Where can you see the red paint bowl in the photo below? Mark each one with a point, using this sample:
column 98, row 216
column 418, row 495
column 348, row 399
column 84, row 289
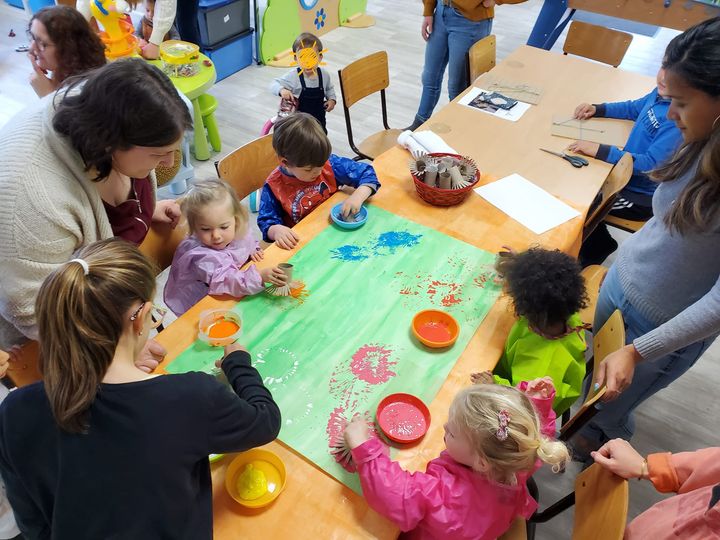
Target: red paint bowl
column 403, row 418
column 435, row 328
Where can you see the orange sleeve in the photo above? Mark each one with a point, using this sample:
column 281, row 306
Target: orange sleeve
column 685, row 471
column 429, row 7
column 662, row 473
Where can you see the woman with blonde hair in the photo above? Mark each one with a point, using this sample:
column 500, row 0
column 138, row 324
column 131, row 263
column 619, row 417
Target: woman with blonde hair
column 102, row 449
column 496, row 437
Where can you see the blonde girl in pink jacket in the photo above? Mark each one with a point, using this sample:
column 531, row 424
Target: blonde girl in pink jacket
column 496, row 437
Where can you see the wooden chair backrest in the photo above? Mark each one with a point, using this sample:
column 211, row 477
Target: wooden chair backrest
column 481, row 57
column 26, row 369
column 364, row 77
column 597, row 43
column 161, row 242
column 517, row 531
column 616, row 180
column 610, row 338
column 246, row 168
column 601, row 505
column 593, row 276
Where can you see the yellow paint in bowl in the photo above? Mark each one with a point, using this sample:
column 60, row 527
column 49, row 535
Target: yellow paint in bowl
column 243, row 477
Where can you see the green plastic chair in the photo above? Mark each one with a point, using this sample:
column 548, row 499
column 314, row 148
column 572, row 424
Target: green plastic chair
column 208, row 104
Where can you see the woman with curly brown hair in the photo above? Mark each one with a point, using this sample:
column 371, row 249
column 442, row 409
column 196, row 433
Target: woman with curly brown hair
column 61, row 42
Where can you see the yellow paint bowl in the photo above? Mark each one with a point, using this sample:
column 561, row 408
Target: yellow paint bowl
column 266, row 462
column 219, row 327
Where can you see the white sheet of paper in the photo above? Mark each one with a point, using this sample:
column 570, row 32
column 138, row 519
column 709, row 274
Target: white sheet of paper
column 513, row 114
column 526, row 203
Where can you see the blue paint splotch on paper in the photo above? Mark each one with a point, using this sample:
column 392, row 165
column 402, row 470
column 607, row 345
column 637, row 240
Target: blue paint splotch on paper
column 349, row 253
column 393, row 240
column 386, row 243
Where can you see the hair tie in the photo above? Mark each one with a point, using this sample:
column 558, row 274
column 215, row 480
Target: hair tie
column 503, row 421
column 84, row 264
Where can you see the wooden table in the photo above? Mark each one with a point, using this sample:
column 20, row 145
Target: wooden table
column 677, row 14
column 314, row 505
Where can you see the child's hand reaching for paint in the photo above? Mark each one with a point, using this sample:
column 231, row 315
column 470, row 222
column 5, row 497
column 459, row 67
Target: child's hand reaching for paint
column 541, row 388
column 273, row 275
column 229, row 349
column 483, row 377
column 258, row 256
column 283, row 236
column 356, row 432
column 354, row 202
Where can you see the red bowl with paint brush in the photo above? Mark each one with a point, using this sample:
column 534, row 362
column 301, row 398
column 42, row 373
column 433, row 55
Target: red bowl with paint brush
column 403, row 418
column 434, row 328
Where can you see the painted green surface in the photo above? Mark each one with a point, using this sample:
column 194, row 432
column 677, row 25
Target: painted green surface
column 349, row 344
column 348, row 8
column 280, row 27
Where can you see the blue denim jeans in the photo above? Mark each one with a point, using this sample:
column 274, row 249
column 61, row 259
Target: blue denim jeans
column 451, row 39
column 615, row 418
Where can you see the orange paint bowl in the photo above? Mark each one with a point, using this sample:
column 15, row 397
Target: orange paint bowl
column 434, row 328
column 219, row 327
column 403, row 418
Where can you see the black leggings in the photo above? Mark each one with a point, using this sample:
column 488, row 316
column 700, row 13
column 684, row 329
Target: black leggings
column 187, row 20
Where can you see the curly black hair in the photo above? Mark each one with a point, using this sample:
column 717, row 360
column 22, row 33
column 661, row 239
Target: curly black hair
column 545, row 286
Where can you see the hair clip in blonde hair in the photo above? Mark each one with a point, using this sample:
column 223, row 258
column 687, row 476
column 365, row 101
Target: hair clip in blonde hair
column 84, row 264
column 503, row 421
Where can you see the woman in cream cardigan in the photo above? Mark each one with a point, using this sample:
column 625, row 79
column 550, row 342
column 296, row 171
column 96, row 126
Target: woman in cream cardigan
column 71, row 161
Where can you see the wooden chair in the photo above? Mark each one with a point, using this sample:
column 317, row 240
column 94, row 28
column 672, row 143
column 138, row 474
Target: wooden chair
column 617, row 179
column 593, row 276
column 357, row 81
column 601, row 507
column 246, row 168
column 610, row 338
column 481, row 57
column 597, row 43
column 627, row 225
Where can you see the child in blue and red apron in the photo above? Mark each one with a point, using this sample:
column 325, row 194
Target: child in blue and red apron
column 308, row 175
column 308, row 86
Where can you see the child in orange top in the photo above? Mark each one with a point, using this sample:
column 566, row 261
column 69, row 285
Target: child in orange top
column 308, row 175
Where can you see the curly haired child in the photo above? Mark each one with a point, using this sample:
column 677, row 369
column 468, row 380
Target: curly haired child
column 547, row 291
column 496, row 437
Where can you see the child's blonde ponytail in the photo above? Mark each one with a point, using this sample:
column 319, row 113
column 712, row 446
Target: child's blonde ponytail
column 553, row 453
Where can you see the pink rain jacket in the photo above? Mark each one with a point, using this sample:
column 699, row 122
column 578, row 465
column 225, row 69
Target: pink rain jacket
column 448, row 501
column 198, row 270
column 693, row 514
